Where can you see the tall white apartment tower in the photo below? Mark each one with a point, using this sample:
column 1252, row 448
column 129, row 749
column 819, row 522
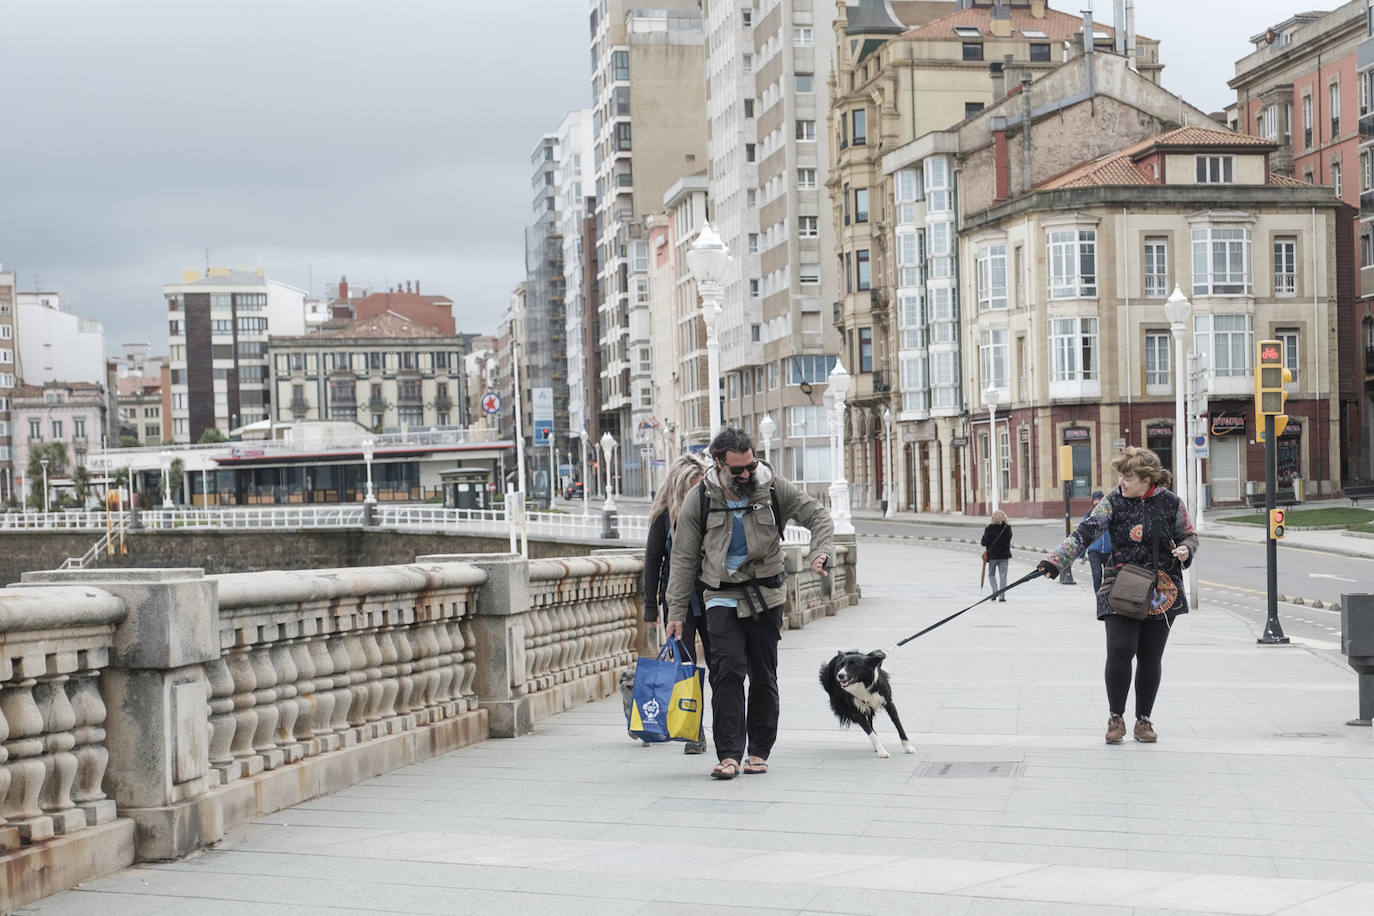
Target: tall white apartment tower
column 573, row 182
column 768, row 89
column 649, row 129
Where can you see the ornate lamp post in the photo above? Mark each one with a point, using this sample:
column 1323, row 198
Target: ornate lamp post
column 368, row 497
column 167, row 480
column 838, row 388
column 766, row 429
column 891, row 510
column 994, row 458
column 1177, row 309
column 708, row 259
column 608, row 514
column 586, row 484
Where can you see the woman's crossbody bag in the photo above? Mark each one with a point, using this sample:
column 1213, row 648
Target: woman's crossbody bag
column 1133, row 590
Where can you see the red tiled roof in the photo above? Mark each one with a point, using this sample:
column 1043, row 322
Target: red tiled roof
column 1123, row 166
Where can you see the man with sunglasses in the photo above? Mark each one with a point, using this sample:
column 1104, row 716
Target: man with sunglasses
column 728, row 537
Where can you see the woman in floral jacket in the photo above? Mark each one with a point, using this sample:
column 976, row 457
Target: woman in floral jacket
column 1134, row 514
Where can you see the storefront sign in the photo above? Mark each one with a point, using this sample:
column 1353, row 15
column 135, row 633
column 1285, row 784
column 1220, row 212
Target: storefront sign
column 1293, row 430
column 1160, row 431
column 1077, row 434
column 959, row 441
column 1228, row 424
column 1025, row 434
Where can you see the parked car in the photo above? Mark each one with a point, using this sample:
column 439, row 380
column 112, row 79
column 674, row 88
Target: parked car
column 573, row 490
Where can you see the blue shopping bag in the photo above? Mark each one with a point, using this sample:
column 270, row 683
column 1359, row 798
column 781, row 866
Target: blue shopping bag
column 667, row 696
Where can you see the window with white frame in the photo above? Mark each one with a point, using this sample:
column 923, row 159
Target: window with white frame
column 806, row 130
column 1336, row 185
column 57, row 429
column 1073, row 350
column 992, row 276
column 6, row 332
column 1334, row 94
column 1285, row 266
column 915, row 392
column 806, row 179
column 1226, row 341
column 1004, row 457
column 906, row 188
column 992, row 358
column 808, row 227
column 6, row 380
column 1307, row 122
column 802, row 36
column 1073, row 263
column 1221, row 261
column 1156, row 268
column 1158, row 363
column 1289, row 338
column 1366, row 173
column 944, row 388
column 1216, row 169
column 35, row 430
column 911, row 331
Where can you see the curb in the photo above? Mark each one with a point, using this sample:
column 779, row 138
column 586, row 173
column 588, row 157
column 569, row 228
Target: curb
column 1296, row 601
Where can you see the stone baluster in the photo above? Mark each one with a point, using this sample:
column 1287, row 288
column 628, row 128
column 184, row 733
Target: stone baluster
column 91, row 756
column 462, row 636
column 306, row 706
column 442, row 701
column 322, row 723
column 372, row 679
column 343, row 693
column 287, row 709
column 456, row 703
column 9, row 834
column 357, row 686
column 401, row 640
column 265, row 705
column 59, row 763
column 222, row 722
column 245, row 717
column 392, row 721
column 25, row 747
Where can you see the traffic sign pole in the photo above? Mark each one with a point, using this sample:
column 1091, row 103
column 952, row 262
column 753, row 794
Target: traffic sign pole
column 1273, row 631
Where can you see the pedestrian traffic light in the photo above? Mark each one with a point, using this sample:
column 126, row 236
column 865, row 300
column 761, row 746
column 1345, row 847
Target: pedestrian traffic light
column 1276, row 523
column 1270, row 378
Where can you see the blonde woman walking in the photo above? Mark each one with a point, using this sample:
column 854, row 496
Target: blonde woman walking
column 683, row 474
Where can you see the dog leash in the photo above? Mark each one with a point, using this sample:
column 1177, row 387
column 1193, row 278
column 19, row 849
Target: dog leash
column 1034, row 574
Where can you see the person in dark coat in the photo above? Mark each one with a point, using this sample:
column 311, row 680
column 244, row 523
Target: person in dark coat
column 997, row 550
column 684, row 474
column 1137, row 512
column 1099, row 550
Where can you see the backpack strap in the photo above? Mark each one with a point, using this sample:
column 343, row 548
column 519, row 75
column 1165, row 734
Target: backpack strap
column 707, row 508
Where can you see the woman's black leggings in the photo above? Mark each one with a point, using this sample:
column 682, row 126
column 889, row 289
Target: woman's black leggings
column 1144, row 641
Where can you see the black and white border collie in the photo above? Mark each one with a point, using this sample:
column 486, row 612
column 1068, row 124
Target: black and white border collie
column 858, row 687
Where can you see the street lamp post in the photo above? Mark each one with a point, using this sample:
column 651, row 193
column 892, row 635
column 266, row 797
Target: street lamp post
column 608, row 513
column 890, row 505
column 1177, row 309
column 994, row 459
column 766, row 429
column 839, row 487
column 166, row 480
column 586, row 484
column 369, row 500
column 46, row 505
column 707, row 260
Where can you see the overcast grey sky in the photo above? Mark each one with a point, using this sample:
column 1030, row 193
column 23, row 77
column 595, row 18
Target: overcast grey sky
column 388, row 141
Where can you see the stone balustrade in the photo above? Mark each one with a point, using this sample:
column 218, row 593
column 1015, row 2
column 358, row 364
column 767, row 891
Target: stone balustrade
column 199, row 703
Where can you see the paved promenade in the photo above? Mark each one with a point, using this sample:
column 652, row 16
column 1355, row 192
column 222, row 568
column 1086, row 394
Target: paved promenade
column 1257, row 799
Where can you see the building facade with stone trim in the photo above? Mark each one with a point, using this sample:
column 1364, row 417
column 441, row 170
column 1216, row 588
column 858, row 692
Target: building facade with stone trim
column 70, row 413
column 387, row 374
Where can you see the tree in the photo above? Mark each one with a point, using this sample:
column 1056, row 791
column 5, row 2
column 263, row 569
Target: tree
column 213, row 435
column 56, row 453
column 128, row 441
column 177, row 475
column 81, row 485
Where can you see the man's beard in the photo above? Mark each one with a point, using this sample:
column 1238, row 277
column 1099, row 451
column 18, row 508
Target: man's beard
column 745, row 487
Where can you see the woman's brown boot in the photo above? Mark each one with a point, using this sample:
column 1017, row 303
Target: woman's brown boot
column 1116, row 729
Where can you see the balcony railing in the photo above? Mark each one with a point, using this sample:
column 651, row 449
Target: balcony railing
column 880, row 383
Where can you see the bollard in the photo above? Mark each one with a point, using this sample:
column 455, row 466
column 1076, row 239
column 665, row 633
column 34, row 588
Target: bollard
column 1357, row 644
column 609, row 524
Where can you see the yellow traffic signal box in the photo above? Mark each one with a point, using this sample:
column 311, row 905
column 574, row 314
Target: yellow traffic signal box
column 1270, row 378
column 1276, row 517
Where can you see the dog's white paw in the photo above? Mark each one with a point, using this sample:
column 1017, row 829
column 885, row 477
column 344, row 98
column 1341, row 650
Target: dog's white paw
column 908, row 747
column 882, row 752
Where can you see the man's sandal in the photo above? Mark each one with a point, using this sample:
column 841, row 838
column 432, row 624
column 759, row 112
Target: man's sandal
column 755, row 765
column 726, row 769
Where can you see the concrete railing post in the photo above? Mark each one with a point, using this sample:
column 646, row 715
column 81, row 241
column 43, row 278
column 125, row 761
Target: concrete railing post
column 155, row 693
column 499, row 628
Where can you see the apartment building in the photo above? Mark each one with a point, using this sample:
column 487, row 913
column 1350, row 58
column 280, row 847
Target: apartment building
column 1357, row 349
column 385, row 373
column 1301, row 89
column 576, row 204
column 9, row 378
column 218, row 328
column 903, row 85
column 545, row 340
column 138, row 409
column 71, row 414
column 766, row 93
column 56, row 345
column 681, row 381
column 649, row 92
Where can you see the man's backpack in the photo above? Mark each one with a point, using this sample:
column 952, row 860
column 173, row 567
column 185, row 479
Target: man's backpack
column 706, row 508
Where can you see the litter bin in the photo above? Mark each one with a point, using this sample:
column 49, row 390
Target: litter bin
column 1357, row 644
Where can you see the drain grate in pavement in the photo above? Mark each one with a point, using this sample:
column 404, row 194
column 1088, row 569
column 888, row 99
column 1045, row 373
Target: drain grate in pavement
column 972, row 769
